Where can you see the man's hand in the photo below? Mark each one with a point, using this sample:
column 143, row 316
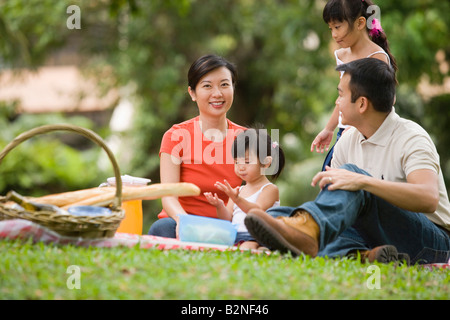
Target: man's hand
column 339, row 179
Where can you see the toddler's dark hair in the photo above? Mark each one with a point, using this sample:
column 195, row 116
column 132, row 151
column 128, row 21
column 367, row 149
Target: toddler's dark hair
column 261, row 143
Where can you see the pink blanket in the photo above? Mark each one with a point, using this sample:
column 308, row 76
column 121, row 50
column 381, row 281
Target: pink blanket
column 24, row 229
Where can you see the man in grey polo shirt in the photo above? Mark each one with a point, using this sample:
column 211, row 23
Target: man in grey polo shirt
column 384, row 192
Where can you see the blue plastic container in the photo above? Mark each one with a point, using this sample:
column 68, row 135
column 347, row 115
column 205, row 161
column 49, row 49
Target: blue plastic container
column 206, row 230
column 89, row 211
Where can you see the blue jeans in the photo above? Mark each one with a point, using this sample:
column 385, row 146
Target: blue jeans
column 242, row 237
column 358, row 220
column 165, row 227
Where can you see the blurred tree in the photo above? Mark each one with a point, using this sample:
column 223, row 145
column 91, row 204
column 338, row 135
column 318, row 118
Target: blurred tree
column 417, row 30
column 280, row 82
column 282, row 48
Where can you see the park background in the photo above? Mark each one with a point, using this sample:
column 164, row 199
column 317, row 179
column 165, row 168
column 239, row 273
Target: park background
column 123, row 75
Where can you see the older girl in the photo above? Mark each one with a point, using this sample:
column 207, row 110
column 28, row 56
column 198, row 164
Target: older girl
column 359, row 36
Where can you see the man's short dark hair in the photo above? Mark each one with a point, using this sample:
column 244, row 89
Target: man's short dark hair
column 373, row 79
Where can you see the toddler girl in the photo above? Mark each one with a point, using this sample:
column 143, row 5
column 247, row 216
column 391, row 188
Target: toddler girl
column 256, row 156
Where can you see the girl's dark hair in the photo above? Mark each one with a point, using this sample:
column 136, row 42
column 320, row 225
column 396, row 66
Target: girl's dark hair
column 350, row 10
column 206, row 64
column 260, row 142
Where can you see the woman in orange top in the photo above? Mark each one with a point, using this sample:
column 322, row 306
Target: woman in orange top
column 199, row 150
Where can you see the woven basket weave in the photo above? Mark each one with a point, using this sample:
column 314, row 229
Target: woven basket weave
column 102, row 226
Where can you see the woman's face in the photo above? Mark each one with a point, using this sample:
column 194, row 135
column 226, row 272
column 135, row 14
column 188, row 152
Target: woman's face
column 214, row 92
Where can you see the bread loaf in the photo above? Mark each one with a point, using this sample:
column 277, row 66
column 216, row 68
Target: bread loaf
column 66, row 198
column 104, row 196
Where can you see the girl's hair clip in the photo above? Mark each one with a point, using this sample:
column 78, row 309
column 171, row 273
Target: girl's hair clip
column 376, row 28
column 274, row 144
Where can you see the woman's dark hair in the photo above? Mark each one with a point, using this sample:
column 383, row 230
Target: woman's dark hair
column 206, row 64
column 260, row 142
column 350, row 10
column 373, row 79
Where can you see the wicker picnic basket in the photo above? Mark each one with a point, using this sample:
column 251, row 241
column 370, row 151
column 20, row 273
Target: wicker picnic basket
column 85, row 226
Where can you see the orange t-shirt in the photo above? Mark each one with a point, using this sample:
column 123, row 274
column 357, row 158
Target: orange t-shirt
column 202, row 162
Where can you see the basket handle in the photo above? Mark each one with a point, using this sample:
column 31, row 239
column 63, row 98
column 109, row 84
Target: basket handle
column 84, row 132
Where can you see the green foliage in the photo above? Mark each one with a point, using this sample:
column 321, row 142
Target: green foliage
column 29, row 28
column 37, row 271
column 44, row 164
column 282, row 50
column 286, row 81
column 280, row 83
column 416, row 30
column 437, row 120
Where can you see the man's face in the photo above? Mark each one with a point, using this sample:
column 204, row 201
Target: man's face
column 347, row 108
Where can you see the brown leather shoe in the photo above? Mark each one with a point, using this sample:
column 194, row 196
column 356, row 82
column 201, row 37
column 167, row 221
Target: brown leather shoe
column 297, row 234
column 383, row 254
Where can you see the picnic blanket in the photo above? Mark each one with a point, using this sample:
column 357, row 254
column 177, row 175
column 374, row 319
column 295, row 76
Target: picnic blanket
column 24, row 230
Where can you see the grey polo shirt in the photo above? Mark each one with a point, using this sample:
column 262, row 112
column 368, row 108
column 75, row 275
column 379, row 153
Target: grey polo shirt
column 397, row 148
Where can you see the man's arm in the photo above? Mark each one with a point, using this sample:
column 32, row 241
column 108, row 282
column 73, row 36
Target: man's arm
column 419, row 194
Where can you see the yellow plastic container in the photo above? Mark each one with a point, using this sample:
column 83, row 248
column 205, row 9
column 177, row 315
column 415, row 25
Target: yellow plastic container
column 132, row 223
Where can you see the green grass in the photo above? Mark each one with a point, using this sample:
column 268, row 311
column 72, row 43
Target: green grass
column 38, row 271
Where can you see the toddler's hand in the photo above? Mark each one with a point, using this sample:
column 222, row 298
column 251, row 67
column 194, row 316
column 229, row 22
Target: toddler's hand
column 214, row 200
column 226, row 187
